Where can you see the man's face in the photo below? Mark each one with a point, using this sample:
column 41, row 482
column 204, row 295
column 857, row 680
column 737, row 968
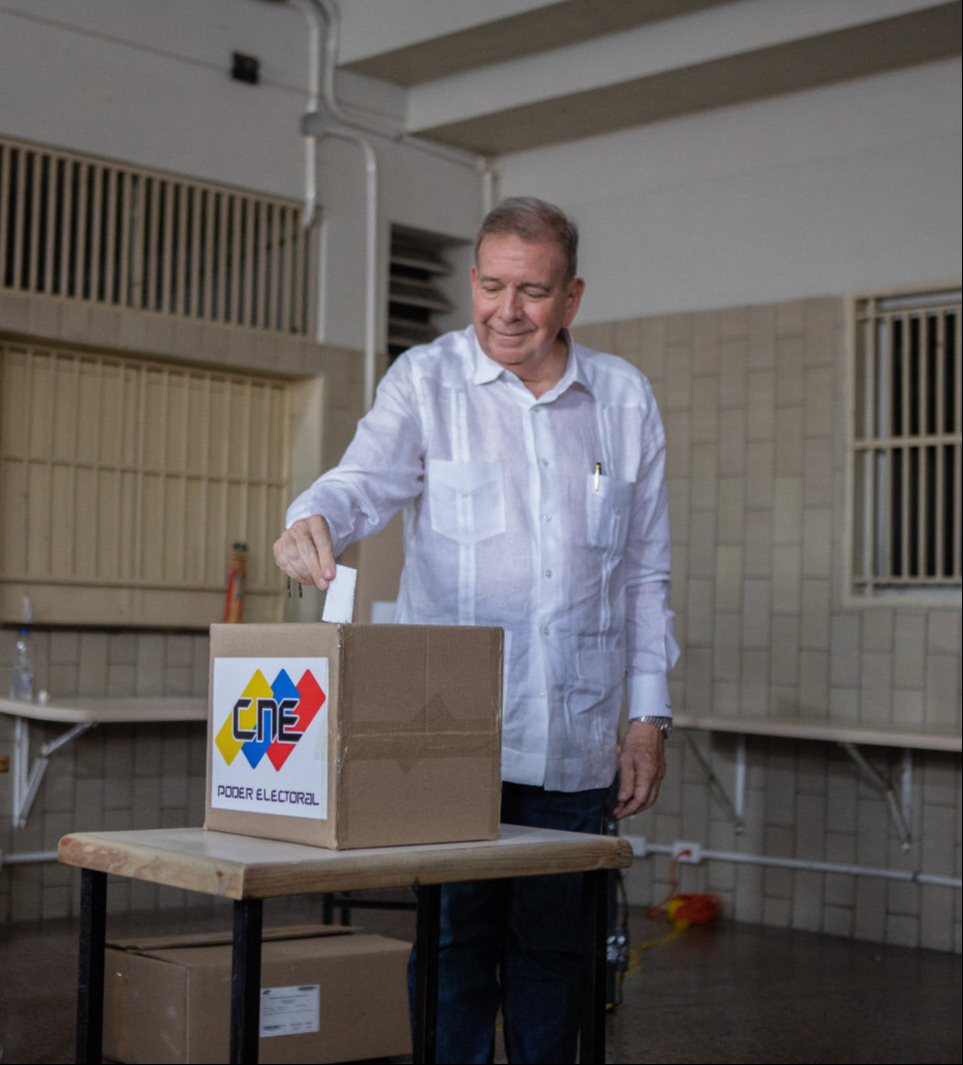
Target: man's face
column 520, row 300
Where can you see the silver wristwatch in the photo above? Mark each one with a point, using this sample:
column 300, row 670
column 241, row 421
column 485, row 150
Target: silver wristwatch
column 663, row 724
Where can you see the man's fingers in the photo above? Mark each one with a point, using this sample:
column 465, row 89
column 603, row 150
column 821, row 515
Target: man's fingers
column 318, row 528
column 639, row 787
column 305, row 553
column 288, row 558
column 641, row 799
column 308, row 551
column 635, row 801
column 627, row 778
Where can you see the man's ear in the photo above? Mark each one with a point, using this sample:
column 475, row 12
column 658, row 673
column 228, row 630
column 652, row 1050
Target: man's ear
column 573, row 298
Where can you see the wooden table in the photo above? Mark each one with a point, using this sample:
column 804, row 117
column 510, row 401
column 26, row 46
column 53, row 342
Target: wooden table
column 249, row 870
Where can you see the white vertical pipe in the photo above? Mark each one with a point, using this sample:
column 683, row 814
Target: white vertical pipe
column 323, row 48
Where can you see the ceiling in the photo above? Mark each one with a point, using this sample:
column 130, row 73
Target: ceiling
column 516, row 34
column 538, row 73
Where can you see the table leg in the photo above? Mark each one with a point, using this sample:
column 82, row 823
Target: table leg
column 90, row 980
column 426, row 975
column 246, row 981
column 595, row 921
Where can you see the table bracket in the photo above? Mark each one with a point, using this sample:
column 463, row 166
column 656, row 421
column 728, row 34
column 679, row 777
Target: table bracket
column 735, row 805
column 900, row 809
column 28, row 778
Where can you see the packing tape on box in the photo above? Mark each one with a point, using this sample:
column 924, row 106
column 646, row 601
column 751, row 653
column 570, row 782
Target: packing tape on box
column 415, row 726
column 406, row 748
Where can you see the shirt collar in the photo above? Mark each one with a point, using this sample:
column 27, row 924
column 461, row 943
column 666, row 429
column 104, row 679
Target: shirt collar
column 486, row 369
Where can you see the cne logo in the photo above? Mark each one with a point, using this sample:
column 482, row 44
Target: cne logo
column 269, row 719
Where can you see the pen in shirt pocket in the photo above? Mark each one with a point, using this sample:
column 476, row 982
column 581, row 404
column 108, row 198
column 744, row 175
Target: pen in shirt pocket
column 598, row 474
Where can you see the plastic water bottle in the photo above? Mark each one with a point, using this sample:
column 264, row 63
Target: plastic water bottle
column 21, row 675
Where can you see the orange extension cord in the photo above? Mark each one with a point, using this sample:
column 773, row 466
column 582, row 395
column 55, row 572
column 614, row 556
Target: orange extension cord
column 680, row 909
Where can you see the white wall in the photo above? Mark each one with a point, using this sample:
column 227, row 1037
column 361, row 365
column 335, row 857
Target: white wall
column 148, row 83
column 686, row 41
column 847, row 187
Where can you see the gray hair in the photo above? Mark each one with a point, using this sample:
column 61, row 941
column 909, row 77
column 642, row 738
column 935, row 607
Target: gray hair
column 533, row 220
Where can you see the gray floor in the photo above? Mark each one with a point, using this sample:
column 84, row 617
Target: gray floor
column 721, row 993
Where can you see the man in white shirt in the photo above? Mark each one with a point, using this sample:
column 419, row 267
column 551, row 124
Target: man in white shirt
column 531, row 470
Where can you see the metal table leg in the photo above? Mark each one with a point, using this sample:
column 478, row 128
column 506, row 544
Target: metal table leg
column 246, row 981
column 90, row 980
column 595, row 923
column 426, row 975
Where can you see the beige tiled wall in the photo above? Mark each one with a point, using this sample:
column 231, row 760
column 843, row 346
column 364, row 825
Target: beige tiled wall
column 113, row 777
column 752, row 401
column 126, row 776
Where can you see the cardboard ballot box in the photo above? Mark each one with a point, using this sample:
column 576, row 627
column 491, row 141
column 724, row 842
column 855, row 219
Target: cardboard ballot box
column 355, row 735
column 327, row 994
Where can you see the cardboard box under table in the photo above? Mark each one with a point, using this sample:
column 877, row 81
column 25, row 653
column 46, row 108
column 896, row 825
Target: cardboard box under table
column 350, row 736
column 327, row 994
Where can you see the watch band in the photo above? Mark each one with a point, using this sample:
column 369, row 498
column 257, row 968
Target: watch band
column 663, row 724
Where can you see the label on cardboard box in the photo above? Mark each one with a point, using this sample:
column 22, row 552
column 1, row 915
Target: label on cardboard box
column 270, row 725
column 290, row 1010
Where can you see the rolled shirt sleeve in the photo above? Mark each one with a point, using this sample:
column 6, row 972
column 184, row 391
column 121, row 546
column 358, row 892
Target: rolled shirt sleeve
column 381, row 470
column 651, row 648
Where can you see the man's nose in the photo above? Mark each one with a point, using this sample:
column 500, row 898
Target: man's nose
column 508, row 305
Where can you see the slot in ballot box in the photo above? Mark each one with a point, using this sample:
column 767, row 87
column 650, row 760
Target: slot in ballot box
column 348, row 736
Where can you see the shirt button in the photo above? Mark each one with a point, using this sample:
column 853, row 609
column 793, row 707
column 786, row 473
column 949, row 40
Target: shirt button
column 547, row 517
column 546, row 631
column 548, row 573
column 543, row 462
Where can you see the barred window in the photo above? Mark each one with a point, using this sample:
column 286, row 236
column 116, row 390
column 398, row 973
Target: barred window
column 905, row 447
column 124, row 482
column 80, row 228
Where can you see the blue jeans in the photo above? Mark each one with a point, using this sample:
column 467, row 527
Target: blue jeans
column 517, row 943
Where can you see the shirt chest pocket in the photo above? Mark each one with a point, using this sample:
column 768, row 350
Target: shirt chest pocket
column 466, row 499
column 608, row 510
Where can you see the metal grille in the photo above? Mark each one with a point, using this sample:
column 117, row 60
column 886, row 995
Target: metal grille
column 121, row 474
column 83, row 229
column 906, row 443
column 417, row 262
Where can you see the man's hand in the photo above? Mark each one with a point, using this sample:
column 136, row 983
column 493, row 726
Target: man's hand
column 642, row 767
column 305, row 552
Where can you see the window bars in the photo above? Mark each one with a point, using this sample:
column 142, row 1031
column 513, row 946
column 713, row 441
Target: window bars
column 85, row 229
column 123, row 483
column 905, row 445
column 417, row 265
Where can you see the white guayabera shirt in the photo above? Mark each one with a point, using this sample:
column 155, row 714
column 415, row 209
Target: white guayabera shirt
column 504, row 525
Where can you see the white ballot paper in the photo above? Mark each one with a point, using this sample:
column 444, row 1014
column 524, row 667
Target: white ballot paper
column 339, row 602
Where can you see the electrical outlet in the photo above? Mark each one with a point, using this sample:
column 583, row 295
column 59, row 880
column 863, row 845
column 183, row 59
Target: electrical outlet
column 695, row 851
column 637, row 843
